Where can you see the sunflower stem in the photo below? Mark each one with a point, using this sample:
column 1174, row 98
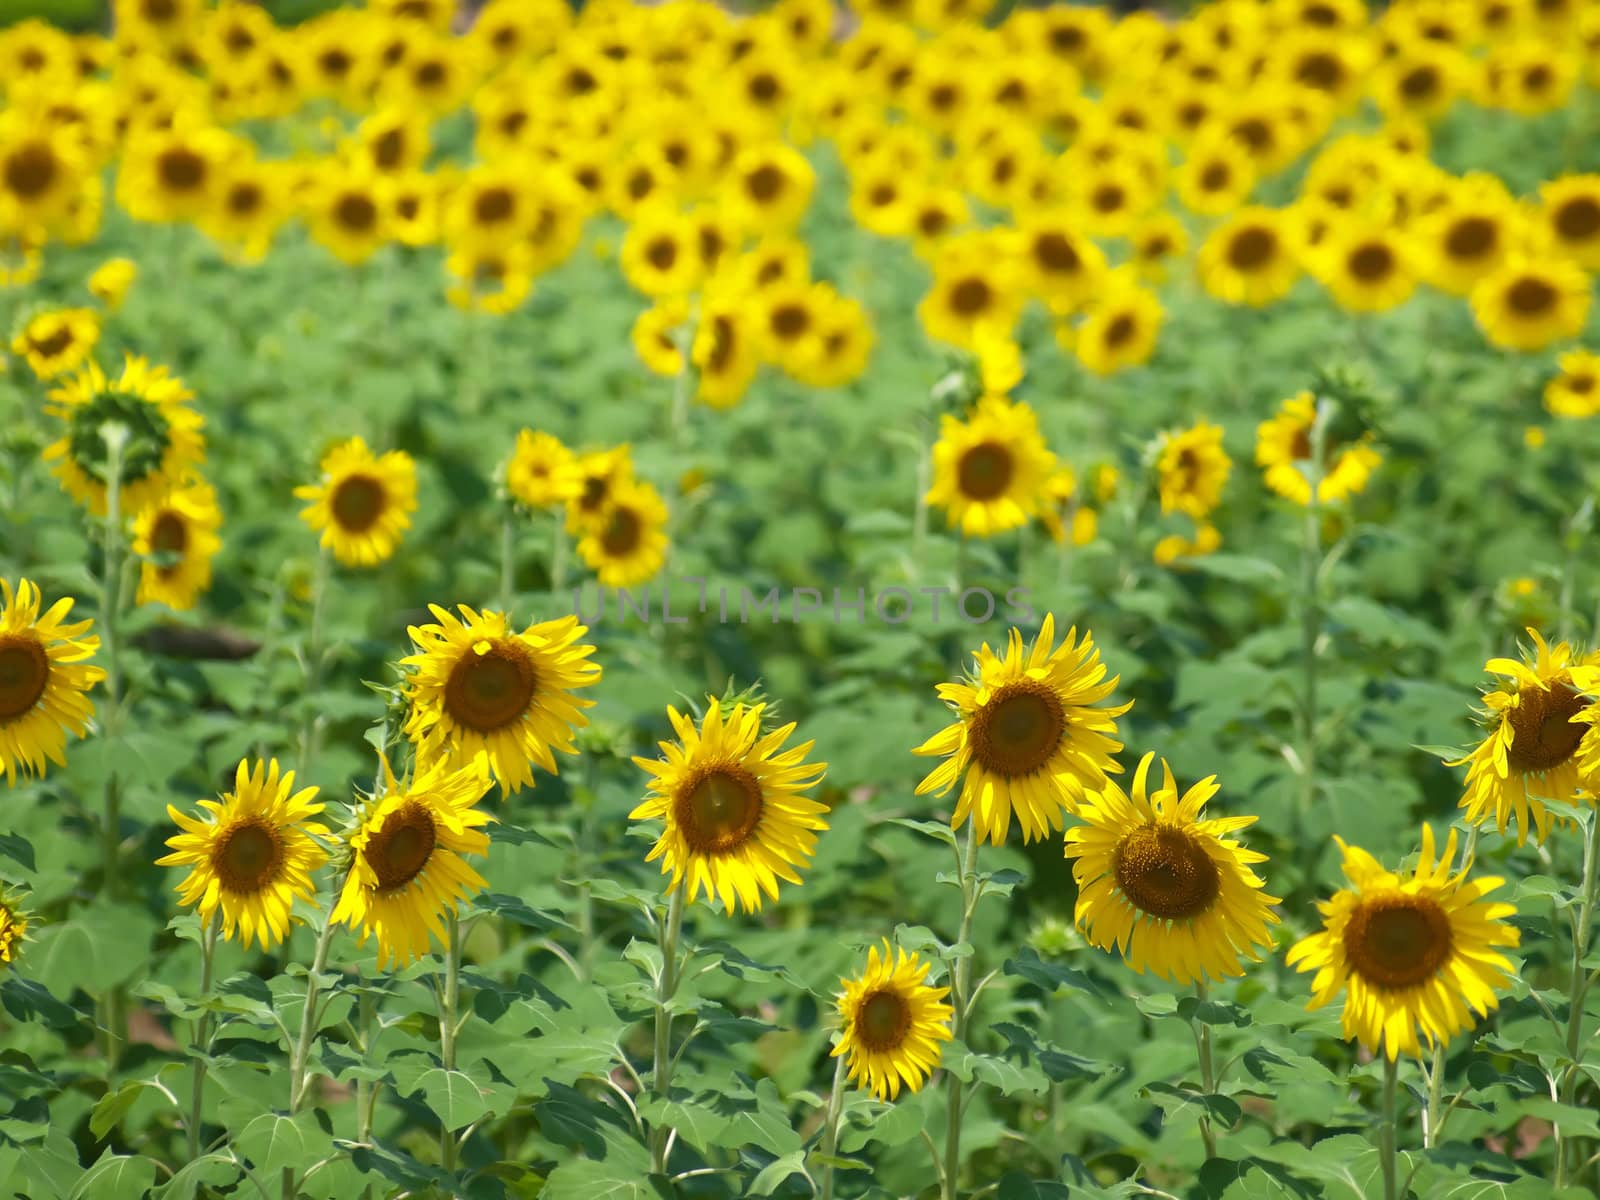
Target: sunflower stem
column 666, row 986
column 830, row 1126
column 1311, row 614
column 201, row 1045
column 449, row 1003
column 558, row 554
column 960, row 988
column 300, row 1055
column 1579, row 990
column 1432, row 1116
column 1386, row 1130
column 508, row 557
column 1208, row 1074
column 919, row 518
column 310, row 723
column 678, row 415
column 116, row 439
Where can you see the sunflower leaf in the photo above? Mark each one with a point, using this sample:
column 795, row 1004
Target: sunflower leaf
column 18, row 849
column 1173, row 1099
column 1213, row 1012
column 115, row 1176
column 1051, row 976
column 937, row 830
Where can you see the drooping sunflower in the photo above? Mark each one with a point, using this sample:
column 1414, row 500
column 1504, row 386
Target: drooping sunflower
column 479, row 690
column 407, row 869
column 44, row 680
column 111, row 280
column 542, row 472
column 730, row 799
column 1169, row 890
column 1283, row 451
column 176, row 535
column 1528, row 303
column 989, row 470
column 163, row 433
column 1248, row 259
column 891, row 1023
column 363, row 503
column 252, row 854
column 1192, row 469
column 628, row 545
column 1028, row 738
column 1574, row 392
column 1418, row 953
column 1531, row 750
column 56, row 341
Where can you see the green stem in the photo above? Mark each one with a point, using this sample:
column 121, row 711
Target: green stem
column 1311, row 618
column 830, row 1125
column 300, row 1058
column 449, row 1006
column 960, row 989
column 558, row 555
column 682, row 383
column 1578, row 993
column 1208, row 1074
column 311, row 723
column 1432, row 1116
column 919, row 516
column 1386, row 1130
column 201, row 1045
column 508, row 558
column 666, row 986
column 116, row 439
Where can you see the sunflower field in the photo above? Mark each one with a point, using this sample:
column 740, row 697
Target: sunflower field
column 922, row 599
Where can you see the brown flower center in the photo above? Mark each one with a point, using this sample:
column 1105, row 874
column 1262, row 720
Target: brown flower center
column 169, row 535
column 400, row 849
column 181, row 169
column 248, row 856
column 494, row 205
column 1019, row 730
column 1543, row 735
column 1531, row 296
column 30, row 171
column 357, row 503
column 622, row 532
column 389, row 149
column 790, row 321
column 1372, row 262
column 971, row 296
column 356, row 212
column 1251, row 248
column 883, row 1018
column 1120, row 332
column 1471, row 237
column 718, row 809
column 491, row 690
column 764, row 183
column 53, row 344
column 1166, row 873
column 1578, row 218
column 1398, row 940
column 985, row 471
column 662, row 252
column 24, row 674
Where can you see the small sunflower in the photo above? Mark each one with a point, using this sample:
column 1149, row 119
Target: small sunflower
column 891, row 1023
column 477, row 689
column 1368, row 268
column 1167, row 889
column 44, row 681
column 1028, row 738
column 1192, row 469
column 252, row 854
column 1172, row 549
column 628, row 545
column 1575, row 391
column 730, row 799
column 111, row 280
column 1571, row 212
column 176, row 535
column 1417, row 953
column 1528, row 303
column 989, row 470
column 1248, row 259
column 1283, row 451
column 1119, row 329
column 13, row 928
column 57, row 341
column 656, row 334
column 726, row 350
column 976, row 284
column 542, row 472
column 598, row 473
column 163, row 433
column 363, row 503
column 1531, row 750
column 407, row 864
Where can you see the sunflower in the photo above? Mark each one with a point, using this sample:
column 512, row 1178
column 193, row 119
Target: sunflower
column 628, row 544
column 41, row 168
column 1571, row 212
column 363, row 503
column 407, row 864
column 891, row 1023
column 252, row 855
column 1171, row 550
column 1027, row 735
column 660, row 253
column 1061, row 266
column 172, row 174
column 1531, row 750
column 975, row 282
column 989, row 470
column 1192, row 469
column 176, row 535
column 1158, row 241
column 111, row 280
column 346, row 211
column 1367, row 267
column 251, row 204
column 1216, row 177
column 163, row 433
column 56, row 341
column 1469, row 235
column 1066, row 515
column 769, row 187
column 1413, row 953
column 489, row 277
column 1575, row 392
column 1528, row 303
column 1165, row 888
column 656, row 332
column 542, row 472
column 13, row 928
column 598, row 473
column 730, row 800
column 44, row 681
column 1283, row 451
column 1119, row 329
column 479, row 690
column 1247, row 259
column 725, row 350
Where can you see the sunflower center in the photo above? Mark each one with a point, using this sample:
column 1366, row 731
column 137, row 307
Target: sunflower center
column 1372, row 262
column 1471, row 237
column 1542, row 733
column 1019, row 730
column 1581, row 384
column 764, row 183
column 662, row 253
column 400, row 849
column 1215, row 177
column 169, row 534
column 722, row 345
column 790, row 321
column 1252, row 248
column 490, row 690
column 181, row 169
column 1579, row 217
column 357, row 503
column 718, row 809
column 1120, row 332
column 622, row 532
column 389, row 150
column 882, row 1020
column 247, row 856
column 24, row 673
column 932, row 221
column 356, row 212
column 985, row 471
column 244, row 199
column 971, row 296
column 1397, row 941
column 494, row 205
column 1419, row 83
column 31, row 170
column 1531, row 297
column 1055, row 252
column 54, row 344
column 1166, row 873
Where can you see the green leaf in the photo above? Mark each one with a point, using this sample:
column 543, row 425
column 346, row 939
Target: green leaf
column 1051, row 975
column 586, row 1179
column 1213, row 1012
column 273, row 1141
column 211, row 1171
column 783, row 1167
column 452, row 1095
column 18, row 849
column 113, row 1106
column 1571, row 1119
column 1238, row 568
column 937, row 830
column 1014, row 1185
column 116, row 1177
column 1174, row 1099
column 1007, row 1077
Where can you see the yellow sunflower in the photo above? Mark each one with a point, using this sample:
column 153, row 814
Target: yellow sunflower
column 1528, row 303
column 363, row 503
column 989, row 470
column 730, row 800
column 598, row 473
column 407, row 869
column 1167, row 889
column 726, row 350
column 251, row 856
column 1571, row 212
column 1531, row 750
column 1248, row 258
column 1172, row 549
column 976, row 283
column 44, row 681
column 656, row 332
column 176, row 535
column 1417, row 953
column 13, row 929
column 1575, row 391
column 1367, row 267
column 1119, row 329
column 1192, row 469
column 111, row 280
column 891, row 1023
column 163, row 433
column 479, row 690
column 542, row 472
column 1027, row 736
column 56, row 341
column 1283, row 451
column 628, row 544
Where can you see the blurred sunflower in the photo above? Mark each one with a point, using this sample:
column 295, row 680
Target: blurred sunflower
column 13, row 928
column 41, row 168
column 1284, row 450
column 598, row 473
column 656, row 333
column 542, row 473
column 628, row 543
column 1216, row 177
column 1570, row 207
column 1247, row 259
column 891, row 1023
column 346, row 213
column 363, row 503
column 975, row 283
column 1061, row 266
column 1528, row 303
column 1469, row 235
column 176, row 536
column 44, row 681
column 111, row 280
column 1368, row 267
column 1166, row 888
column 1574, row 391
column 1119, row 328
column 172, row 174
column 252, row 855
column 1418, row 953
column 479, row 690
column 1192, row 468
column 56, row 341
column 725, row 350
column 660, row 252
column 769, row 188
column 989, row 469
column 1171, row 550
column 1028, row 738
column 729, row 797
